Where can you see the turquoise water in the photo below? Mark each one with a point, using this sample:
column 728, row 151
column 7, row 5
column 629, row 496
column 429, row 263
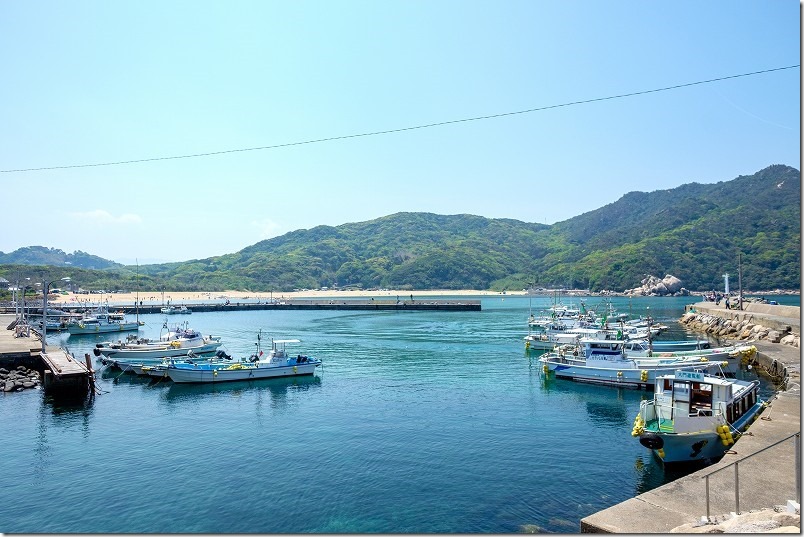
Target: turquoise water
column 418, row 422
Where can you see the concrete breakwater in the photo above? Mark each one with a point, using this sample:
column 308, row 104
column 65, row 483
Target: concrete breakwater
column 777, row 324
column 780, row 325
column 284, row 305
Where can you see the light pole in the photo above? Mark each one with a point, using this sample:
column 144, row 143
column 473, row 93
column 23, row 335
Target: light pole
column 45, row 288
column 22, row 311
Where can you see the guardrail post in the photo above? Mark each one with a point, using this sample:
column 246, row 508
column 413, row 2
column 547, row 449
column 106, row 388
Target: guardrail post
column 737, row 487
column 707, row 497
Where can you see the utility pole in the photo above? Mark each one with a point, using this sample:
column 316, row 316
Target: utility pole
column 740, row 277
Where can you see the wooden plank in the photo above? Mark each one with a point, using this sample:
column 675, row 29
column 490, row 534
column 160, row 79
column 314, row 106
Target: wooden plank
column 62, row 364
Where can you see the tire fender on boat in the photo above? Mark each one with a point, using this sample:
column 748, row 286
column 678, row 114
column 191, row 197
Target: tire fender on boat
column 651, row 441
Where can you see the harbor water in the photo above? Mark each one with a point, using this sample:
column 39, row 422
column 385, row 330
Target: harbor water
column 418, row 422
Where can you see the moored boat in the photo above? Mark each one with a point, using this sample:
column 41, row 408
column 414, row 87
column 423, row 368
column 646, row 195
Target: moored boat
column 149, row 366
column 276, row 363
column 694, row 416
column 733, row 354
column 176, row 342
column 663, row 345
column 603, row 362
column 102, row 321
column 570, row 336
column 174, row 310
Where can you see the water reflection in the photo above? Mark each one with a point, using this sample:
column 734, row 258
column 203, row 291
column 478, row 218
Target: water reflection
column 652, row 473
column 277, row 388
column 608, row 413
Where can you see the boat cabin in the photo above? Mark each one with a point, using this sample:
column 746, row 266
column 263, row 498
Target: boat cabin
column 692, row 394
column 602, row 349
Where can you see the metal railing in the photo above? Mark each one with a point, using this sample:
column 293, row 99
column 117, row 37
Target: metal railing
column 736, row 465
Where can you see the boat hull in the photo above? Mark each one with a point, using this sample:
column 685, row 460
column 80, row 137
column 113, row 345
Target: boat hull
column 203, row 374
column 75, row 329
column 695, row 446
column 167, row 351
column 624, row 376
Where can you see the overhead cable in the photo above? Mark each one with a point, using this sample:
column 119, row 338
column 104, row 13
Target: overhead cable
column 401, row 129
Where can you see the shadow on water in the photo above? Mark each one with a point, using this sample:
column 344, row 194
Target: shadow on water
column 70, row 405
column 652, row 473
column 275, row 387
column 122, row 377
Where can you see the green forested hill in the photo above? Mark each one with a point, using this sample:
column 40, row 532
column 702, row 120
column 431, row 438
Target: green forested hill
column 40, row 255
column 695, row 232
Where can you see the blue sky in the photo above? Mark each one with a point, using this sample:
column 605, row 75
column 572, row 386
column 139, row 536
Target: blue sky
column 96, row 82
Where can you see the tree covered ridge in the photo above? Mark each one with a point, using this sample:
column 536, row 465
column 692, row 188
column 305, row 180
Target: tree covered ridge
column 694, row 232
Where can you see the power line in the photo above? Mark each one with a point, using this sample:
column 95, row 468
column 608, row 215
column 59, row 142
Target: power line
column 402, row 129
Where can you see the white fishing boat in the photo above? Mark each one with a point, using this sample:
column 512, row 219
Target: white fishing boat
column 276, row 363
column 147, row 366
column 603, row 362
column 734, row 354
column 101, row 321
column 676, row 345
column 176, row 342
column 694, row 416
column 546, row 341
column 176, row 310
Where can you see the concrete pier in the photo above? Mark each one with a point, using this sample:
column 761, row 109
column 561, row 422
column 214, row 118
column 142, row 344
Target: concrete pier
column 766, row 477
column 62, row 374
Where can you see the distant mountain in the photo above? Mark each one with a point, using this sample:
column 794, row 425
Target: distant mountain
column 40, row 255
column 696, row 232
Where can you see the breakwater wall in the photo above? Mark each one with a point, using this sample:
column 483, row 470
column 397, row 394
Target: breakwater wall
column 284, row 305
column 777, row 324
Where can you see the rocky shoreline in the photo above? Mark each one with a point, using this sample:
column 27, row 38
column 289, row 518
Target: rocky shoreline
column 19, row 379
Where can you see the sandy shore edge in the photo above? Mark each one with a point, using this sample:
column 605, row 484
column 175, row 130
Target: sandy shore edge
column 178, row 298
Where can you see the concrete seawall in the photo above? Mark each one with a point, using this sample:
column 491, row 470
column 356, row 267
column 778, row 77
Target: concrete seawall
column 781, row 318
column 766, row 480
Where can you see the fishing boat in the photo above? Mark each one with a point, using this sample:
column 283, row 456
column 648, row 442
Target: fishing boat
column 100, row 321
column 730, row 357
column 176, row 310
column 675, row 345
column 157, row 366
column 694, row 416
column 733, row 354
column 276, row 363
column 567, row 336
column 175, row 342
column 603, row 362
column 57, row 320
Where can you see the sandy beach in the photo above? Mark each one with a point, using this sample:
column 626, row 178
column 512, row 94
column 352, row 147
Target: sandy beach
column 178, row 298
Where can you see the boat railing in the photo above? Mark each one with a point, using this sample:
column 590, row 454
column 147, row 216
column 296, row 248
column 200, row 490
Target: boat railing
column 757, row 492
